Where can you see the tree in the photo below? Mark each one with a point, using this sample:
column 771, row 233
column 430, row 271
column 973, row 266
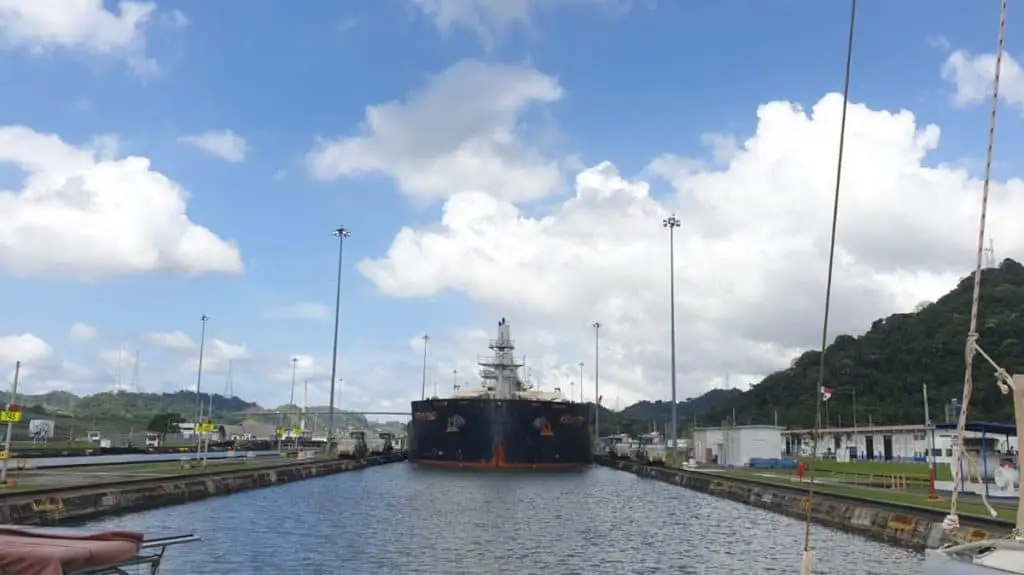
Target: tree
column 164, row 423
column 886, row 366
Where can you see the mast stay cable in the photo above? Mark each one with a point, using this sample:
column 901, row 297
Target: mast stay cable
column 808, row 556
column 1003, row 379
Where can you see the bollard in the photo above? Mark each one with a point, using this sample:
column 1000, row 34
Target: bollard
column 932, row 494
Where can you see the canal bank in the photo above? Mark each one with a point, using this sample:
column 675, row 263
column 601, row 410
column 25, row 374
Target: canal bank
column 78, row 503
column 912, row 526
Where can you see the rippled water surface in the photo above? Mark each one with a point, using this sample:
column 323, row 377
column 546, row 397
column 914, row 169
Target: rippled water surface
column 401, row 518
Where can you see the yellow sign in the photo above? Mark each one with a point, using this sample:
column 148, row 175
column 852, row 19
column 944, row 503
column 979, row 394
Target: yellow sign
column 5, row 454
column 208, row 427
column 9, row 416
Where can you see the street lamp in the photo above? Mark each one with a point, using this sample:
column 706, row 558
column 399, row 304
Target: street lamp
column 199, row 373
column 423, row 382
column 455, row 379
column 581, row 382
column 597, row 390
column 671, row 223
column 291, row 398
column 340, row 233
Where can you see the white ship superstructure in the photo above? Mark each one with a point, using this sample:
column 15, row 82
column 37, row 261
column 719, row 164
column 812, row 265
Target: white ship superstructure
column 499, row 374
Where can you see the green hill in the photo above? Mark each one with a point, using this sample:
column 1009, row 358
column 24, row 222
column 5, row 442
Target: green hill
column 120, row 412
column 886, row 366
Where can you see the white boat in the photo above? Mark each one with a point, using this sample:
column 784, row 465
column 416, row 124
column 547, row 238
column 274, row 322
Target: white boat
column 989, row 556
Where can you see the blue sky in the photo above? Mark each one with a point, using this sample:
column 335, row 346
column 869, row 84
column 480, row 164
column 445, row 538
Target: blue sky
column 604, row 80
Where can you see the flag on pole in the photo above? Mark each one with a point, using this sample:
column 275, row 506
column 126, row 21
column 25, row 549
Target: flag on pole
column 826, row 393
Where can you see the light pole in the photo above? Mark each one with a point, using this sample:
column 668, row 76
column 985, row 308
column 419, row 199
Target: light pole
column 10, row 425
column 455, row 379
column 671, row 223
column 199, row 372
column 423, row 382
column 291, row 398
column 581, row 382
column 597, row 389
column 341, row 233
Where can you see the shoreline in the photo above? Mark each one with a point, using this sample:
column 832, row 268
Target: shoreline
column 916, row 527
column 78, row 503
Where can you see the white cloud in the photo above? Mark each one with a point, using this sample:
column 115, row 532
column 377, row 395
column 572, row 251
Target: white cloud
column 169, row 340
column 82, row 332
column 117, row 357
column 458, row 134
column 301, row 310
column 972, row 74
column 489, row 20
column 223, row 144
column 750, row 256
column 217, row 354
column 42, row 25
column 86, row 217
column 26, row 348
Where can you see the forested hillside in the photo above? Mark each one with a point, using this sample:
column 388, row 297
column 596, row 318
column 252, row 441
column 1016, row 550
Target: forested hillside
column 886, row 366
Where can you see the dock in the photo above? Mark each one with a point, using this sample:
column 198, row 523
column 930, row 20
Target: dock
column 917, row 525
column 70, row 494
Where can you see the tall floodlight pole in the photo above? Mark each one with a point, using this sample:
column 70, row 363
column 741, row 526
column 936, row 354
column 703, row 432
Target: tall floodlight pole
column 581, row 382
column 199, row 371
column 291, row 398
column 671, row 223
column 597, row 389
column 423, row 382
column 341, row 233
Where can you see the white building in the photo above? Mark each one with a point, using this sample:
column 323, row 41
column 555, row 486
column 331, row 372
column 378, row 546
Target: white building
column 735, row 446
column 891, row 443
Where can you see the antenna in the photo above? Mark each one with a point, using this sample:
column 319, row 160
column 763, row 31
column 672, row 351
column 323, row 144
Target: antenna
column 229, row 384
column 990, row 254
column 135, row 373
column 117, row 381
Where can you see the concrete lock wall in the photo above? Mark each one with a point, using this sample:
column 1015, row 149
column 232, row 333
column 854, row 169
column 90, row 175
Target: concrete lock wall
column 90, row 502
column 902, row 525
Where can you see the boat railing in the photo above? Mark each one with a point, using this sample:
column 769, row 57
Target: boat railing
column 151, row 555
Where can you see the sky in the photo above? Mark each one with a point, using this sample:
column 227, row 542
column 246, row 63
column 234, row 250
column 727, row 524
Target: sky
column 514, row 159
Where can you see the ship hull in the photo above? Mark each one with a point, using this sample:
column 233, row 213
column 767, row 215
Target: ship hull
column 500, row 434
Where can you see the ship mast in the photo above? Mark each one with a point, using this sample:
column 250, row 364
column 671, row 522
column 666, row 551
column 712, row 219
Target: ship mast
column 501, row 372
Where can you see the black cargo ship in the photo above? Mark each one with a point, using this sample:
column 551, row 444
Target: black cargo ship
column 503, row 424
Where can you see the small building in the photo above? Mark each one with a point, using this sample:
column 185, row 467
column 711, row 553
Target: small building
column 736, row 445
column 871, row 442
column 909, row 443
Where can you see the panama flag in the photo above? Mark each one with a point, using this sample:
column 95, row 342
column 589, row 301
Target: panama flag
column 826, row 392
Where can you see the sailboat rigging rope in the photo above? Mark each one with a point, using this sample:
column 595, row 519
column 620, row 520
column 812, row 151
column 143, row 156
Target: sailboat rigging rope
column 808, row 555
column 952, row 522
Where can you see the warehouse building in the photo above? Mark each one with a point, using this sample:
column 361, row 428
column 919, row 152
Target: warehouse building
column 735, row 446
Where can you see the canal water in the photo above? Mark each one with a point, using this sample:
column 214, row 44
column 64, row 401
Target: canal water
column 403, row 519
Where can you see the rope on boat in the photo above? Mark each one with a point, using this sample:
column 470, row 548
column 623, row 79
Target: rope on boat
column 808, row 556
column 952, row 521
